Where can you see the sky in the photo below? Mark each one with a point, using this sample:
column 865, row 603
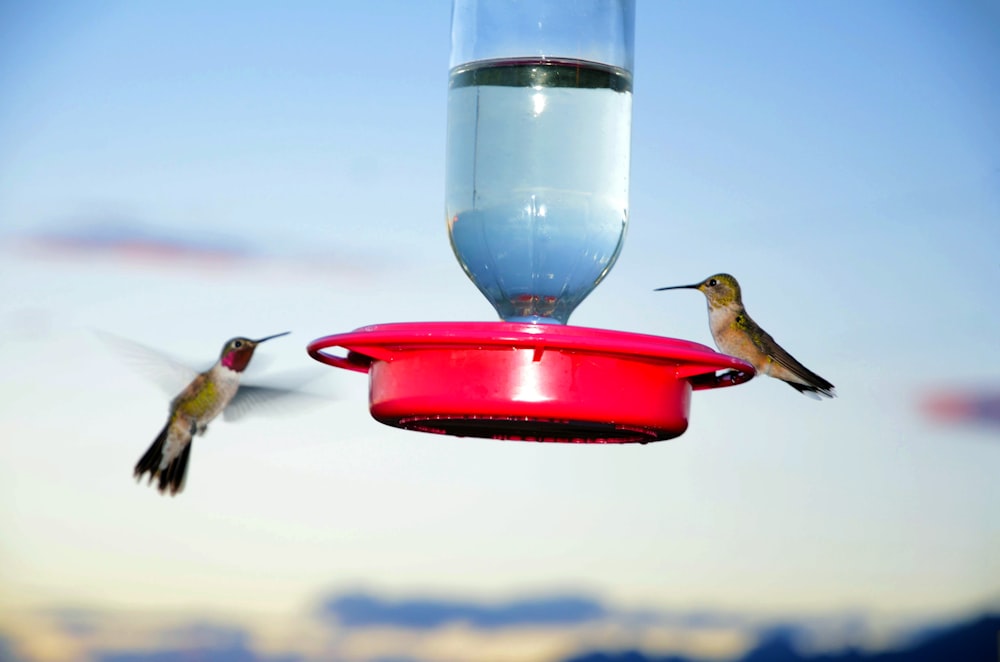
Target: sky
column 841, row 159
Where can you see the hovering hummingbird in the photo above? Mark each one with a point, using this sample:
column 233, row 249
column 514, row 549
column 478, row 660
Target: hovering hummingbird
column 210, row 393
column 738, row 335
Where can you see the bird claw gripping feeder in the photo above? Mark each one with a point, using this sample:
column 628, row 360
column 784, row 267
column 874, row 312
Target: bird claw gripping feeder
column 539, row 133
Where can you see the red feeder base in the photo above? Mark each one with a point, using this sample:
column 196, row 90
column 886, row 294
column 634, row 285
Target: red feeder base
column 535, row 382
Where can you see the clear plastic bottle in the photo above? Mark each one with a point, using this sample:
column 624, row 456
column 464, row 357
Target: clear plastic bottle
column 538, row 150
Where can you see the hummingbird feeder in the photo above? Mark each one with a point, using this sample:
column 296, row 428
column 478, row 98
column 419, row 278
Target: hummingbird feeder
column 539, row 133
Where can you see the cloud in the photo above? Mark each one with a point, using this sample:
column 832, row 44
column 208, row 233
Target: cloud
column 197, row 642
column 209, row 635
column 7, row 650
column 562, row 627
column 134, row 243
column 236, row 654
column 129, row 238
column 978, row 406
column 362, row 610
column 75, row 622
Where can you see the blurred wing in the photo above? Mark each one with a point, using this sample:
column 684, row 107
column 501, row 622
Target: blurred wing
column 167, row 372
column 268, row 400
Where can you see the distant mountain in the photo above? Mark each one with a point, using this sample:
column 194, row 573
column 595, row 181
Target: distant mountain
column 974, row 641
column 362, row 610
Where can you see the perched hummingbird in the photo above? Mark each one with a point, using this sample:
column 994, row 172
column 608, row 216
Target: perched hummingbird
column 738, row 335
column 208, row 395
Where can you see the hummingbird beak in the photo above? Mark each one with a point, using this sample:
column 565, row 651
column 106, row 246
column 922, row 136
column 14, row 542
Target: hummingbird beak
column 679, row 287
column 277, row 335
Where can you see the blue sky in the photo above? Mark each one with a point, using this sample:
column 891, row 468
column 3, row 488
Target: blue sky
column 841, row 159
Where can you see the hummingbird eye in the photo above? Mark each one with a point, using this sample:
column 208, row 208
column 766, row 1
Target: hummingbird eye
column 238, row 344
column 713, row 283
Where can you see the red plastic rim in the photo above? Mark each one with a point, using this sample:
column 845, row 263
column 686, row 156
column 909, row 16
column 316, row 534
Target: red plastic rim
column 530, row 381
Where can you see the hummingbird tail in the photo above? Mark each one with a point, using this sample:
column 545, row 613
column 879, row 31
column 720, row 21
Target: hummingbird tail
column 813, row 391
column 171, row 478
column 150, row 460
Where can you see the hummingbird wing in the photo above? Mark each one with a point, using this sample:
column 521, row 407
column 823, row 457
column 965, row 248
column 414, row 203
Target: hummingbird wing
column 168, row 373
column 267, row 399
column 818, row 384
column 806, row 381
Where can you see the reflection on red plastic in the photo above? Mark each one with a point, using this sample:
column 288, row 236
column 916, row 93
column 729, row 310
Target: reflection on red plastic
column 539, row 382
